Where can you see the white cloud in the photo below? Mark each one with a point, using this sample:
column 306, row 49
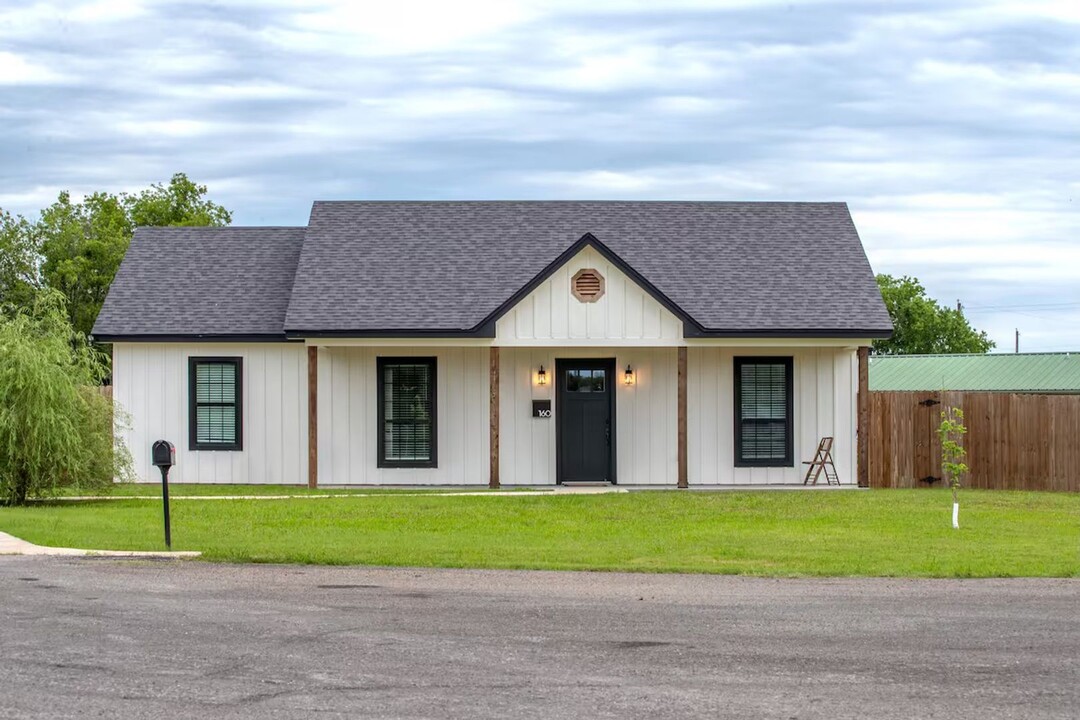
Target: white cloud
column 1027, row 77
column 177, row 128
column 100, row 11
column 685, row 182
column 29, row 199
column 403, row 26
column 691, row 105
column 641, row 66
column 17, row 70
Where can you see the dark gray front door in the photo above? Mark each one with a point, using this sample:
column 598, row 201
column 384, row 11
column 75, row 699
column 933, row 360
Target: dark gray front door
column 585, row 413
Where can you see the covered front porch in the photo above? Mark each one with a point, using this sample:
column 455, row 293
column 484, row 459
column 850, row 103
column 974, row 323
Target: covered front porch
column 499, row 413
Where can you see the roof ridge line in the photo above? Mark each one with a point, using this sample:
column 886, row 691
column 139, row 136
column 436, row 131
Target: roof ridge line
column 570, row 201
column 221, row 227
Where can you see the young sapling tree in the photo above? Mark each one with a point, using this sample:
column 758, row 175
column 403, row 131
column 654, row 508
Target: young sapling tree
column 951, row 431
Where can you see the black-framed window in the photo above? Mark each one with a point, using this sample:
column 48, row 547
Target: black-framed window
column 408, row 432
column 763, row 412
column 215, row 403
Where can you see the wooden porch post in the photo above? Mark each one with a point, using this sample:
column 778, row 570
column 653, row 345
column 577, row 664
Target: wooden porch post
column 683, row 478
column 863, row 428
column 493, row 473
column 313, row 415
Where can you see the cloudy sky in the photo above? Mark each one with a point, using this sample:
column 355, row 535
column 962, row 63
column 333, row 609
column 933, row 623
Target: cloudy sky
column 952, row 129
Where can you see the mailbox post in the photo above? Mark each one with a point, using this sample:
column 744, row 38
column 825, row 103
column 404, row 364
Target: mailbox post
column 165, row 458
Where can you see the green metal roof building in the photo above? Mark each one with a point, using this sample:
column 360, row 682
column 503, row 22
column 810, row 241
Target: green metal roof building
column 1057, row 373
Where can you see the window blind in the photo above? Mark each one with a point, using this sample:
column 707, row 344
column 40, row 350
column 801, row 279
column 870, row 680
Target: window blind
column 763, row 424
column 215, row 403
column 407, row 401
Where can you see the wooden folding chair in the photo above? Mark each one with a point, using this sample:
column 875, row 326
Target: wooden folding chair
column 822, row 462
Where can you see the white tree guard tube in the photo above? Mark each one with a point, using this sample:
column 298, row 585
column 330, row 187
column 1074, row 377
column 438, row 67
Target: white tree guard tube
column 956, row 516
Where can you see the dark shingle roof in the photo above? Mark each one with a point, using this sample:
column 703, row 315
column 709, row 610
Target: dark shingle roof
column 446, row 266
column 430, row 267
column 202, row 281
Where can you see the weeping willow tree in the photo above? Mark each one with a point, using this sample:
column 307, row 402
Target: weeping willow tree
column 56, row 428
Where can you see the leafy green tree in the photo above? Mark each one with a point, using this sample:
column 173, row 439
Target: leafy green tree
column 19, row 279
column 82, row 244
column 922, row 326
column 180, row 203
column 56, row 428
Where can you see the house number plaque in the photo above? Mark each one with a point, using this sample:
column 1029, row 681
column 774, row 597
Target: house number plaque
column 541, row 409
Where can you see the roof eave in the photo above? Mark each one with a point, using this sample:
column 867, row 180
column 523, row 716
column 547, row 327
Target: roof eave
column 479, row 332
column 874, row 334
column 189, row 337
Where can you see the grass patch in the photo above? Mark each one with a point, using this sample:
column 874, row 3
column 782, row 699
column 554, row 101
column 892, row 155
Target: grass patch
column 187, row 489
column 876, row 533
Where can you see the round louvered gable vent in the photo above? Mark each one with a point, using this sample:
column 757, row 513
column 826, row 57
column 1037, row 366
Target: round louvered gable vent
column 587, row 285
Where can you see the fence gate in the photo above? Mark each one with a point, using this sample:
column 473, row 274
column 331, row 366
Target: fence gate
column 927, row 413
column 905, row 450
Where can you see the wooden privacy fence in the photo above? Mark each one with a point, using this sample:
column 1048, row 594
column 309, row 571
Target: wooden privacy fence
column 1013, row 441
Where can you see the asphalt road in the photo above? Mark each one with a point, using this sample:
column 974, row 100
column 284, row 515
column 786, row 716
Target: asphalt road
column 108, row 638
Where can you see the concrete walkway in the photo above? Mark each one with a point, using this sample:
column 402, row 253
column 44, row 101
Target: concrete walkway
column 11, row 545
column 598, row 490
column 530, row 492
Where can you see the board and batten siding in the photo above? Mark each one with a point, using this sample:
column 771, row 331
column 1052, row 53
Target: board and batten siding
column 348, row 417
column 551, row 315
column 151, row 388
column 645, row 414
column 824, row 395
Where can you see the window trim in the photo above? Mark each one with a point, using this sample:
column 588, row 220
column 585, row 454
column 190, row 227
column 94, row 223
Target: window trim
column 380, row 366
column 193, row 407
column 789, row 435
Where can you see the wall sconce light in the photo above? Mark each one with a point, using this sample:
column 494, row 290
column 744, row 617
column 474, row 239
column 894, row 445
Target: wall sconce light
column 628, row 376
column 541, row 376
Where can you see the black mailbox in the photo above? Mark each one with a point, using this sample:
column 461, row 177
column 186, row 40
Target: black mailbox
column 164, row 454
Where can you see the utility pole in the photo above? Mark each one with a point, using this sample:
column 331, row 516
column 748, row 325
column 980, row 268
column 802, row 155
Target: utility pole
column 1017, row 351
column 959, row 306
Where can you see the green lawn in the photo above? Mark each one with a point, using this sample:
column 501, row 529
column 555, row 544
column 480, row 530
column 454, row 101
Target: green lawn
column 884, row 532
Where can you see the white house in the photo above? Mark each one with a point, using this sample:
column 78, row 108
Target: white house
column 521, row 343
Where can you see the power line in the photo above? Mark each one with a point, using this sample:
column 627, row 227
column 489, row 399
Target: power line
column 1046, row 318
column 1042, row 348
column 1034, row 306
